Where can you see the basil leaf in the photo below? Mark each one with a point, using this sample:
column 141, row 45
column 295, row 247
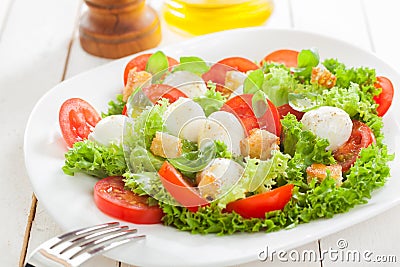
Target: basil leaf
column 308, row 58
column 195, row 161
column 157, row 63
column 253, row 82
column 304, row 102
column 195, row 65
column 306, row 61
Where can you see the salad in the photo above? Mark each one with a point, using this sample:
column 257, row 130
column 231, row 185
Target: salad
column 233, row 146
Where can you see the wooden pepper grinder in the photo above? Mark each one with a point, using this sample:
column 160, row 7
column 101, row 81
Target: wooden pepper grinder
column 117, row 28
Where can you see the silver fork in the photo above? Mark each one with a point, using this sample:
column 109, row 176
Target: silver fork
column 74, row 248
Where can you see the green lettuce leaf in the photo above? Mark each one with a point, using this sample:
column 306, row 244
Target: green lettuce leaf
column 138, row 137
column 94, row 159
column 146, row 125
column 363, row 76
column 277, row 85
column 211, row 101
column 157, row 63
column 115, row 107
column 258, row 177
column 306, row 60
column 148, row 184
column 253, row 82
column 320, row 200
column 192, row 64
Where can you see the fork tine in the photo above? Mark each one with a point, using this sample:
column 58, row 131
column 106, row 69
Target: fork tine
column 89, row 252
column 83, row 232
column 84, row 239
column 76, row 250
column 106, row 240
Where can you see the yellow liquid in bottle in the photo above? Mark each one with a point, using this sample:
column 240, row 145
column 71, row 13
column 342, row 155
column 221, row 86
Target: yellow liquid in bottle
column 206, row 16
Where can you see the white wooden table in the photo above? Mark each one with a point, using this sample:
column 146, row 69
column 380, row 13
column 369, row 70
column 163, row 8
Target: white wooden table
column 39, row 48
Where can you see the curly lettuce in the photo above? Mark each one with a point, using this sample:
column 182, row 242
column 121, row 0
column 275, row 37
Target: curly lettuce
column 115, row 107
column 94, row 159
column 211, row 101
column 309, row 202
column 277, row 85
column 259, row 176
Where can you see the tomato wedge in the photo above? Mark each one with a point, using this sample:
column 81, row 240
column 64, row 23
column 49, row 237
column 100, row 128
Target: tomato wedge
column 361, row 137
column 256, row 206
column 239, row 63
column 77, row 119
column 179, row 188
column 284, row 56
column 241, row 107
column 218, row 71
column 140, row 63
column 111, row 198
column 157, row 91
column 286, row 108
column 384, row 99
column 125, row 111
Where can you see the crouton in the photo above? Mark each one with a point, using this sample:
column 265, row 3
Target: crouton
column 135, row 79
column 259, row 144
column 323, row 77
column 320, row 171
column 166, row 145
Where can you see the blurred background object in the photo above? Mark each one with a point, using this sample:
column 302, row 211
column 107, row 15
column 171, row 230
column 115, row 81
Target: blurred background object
column 117, row 28
column 205, row 16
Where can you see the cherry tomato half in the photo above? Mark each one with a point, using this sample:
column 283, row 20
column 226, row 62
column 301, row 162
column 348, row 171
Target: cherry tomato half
column 77, row 119
column 113, row 199
column 179, row 188
column 286, row 108
column 218, row 71
column 284, row 56
column 361, row 137
column 140, row 63
column 157, row 91
column 256, row 206
column 384, row 99
column 241, row 107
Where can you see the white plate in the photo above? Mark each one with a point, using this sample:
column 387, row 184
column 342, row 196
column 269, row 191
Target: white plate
column 69, row 199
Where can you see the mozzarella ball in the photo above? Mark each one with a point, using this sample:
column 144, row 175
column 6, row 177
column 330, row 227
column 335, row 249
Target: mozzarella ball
column 188, row 82
column 232, row 130
column 109, row 130
column 329, row 123
column 179, row 114
column 218, row 178
column 190, row 131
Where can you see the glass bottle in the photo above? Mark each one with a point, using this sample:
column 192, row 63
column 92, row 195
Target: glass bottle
column 205, row 16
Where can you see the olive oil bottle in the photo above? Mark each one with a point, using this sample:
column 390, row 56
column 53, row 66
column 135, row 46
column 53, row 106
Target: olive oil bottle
column 198, row 17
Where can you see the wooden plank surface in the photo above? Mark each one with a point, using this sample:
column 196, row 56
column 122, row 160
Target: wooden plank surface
column 384, row 20
column 5, row 7
column 379, row 241
column 340, row 19
column 33, row 49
